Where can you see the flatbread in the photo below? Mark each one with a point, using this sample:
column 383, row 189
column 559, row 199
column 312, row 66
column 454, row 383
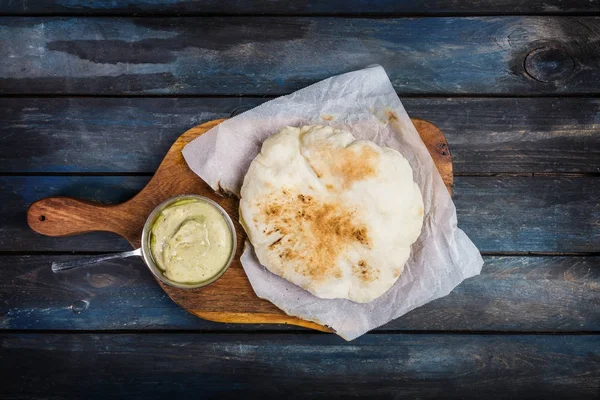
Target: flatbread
column 331, row 214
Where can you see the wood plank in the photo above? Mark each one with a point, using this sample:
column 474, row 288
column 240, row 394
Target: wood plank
column 230, row 56
column 98, row 134
column 115, row 135
column 516, row 135
column 113, row 295
column 530, row 214
column 500, row 214
column 296, row 7
column 19, row 192
column 516, row 293
column 315, row 365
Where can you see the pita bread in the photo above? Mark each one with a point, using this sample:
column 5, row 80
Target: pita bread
column 331, row 214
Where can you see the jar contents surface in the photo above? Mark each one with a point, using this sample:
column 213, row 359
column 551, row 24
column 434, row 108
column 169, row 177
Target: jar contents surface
column 191, row 241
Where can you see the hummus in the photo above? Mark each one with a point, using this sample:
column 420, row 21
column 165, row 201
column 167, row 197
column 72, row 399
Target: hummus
column 191, row 241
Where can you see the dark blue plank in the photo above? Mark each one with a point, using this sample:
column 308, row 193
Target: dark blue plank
column 231, row 56
column 114, row 135
column 540, row 214
column 112, row 295
column 99, row 134
column 296, row 366
column 500, row 214
column 518, row 294
column 296, row 7
column 17, row 193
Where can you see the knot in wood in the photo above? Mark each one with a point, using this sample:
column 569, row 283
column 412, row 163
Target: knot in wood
column 549, row 64
column 79, row 306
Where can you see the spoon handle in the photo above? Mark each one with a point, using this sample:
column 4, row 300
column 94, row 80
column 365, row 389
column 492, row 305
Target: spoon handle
column 81, row 262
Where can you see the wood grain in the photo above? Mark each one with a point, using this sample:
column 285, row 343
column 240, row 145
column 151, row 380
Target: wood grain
column 297, row 366
column 499, row 213
column 132, row 135
column 448, row 58
column 297, row 7
column 229, row 299
column 563, row 204
column 512, row 294
column 234, row 56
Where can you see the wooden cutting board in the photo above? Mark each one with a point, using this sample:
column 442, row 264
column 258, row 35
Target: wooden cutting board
column 230, row 298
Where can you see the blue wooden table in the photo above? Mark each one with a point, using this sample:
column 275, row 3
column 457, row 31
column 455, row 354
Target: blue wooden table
column 93, row 93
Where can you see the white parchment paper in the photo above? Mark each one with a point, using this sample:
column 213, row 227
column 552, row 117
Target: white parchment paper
column 362, row 102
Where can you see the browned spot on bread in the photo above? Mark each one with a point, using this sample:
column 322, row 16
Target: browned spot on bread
column 315, row 233
column 305, row 199
column 360, row 235
column 420, row 212
column 289, row 254
column 365, row 272
column 275, row 243
column 273, row 209
column 327, row 117
column 356, row 166
column 346, row 165
column 397, row 272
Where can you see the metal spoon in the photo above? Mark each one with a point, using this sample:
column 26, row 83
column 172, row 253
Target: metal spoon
column 58, row 266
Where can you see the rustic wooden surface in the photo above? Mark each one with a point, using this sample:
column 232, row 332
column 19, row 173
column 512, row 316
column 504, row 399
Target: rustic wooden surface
column 315, row 365
column 89, row 106
column 229, row 299
column 512, row 294
column 297, row 7
column 117, row 135
column 238, row 56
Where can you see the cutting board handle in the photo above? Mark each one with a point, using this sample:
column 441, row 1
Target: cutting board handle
column 64, row 216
